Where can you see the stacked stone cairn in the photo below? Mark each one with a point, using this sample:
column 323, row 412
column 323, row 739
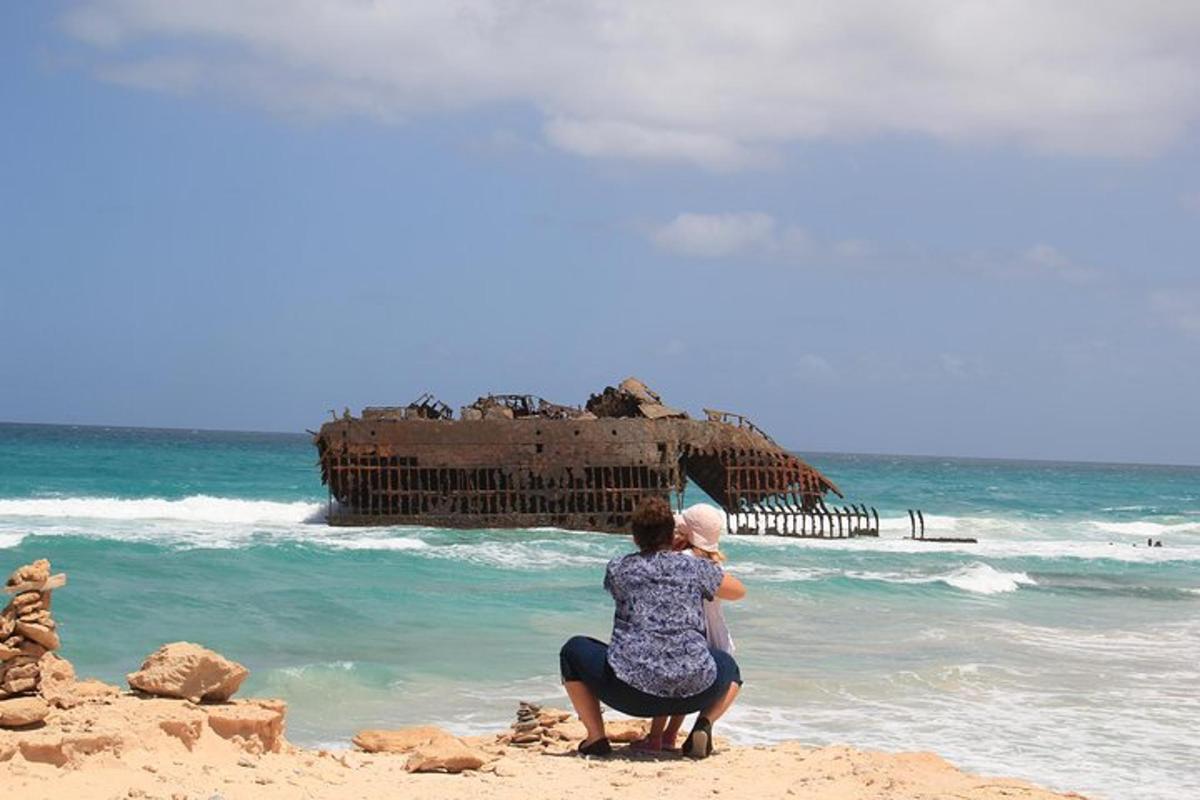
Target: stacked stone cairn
column 528, row 730
column 27, row 631
column 557, row 730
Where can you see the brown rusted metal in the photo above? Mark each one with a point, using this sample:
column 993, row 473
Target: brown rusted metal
column 521, row 461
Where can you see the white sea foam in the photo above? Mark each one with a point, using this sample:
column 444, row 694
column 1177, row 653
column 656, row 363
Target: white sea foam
column 977, row 578
column 8, row 540
column 221, row 522
column 1064, row 540
column 370, row 542
column 196, row 508
column 773, row 573
column 328, row 666
column 981, row 578
column 1145, row 528
column 520, row 555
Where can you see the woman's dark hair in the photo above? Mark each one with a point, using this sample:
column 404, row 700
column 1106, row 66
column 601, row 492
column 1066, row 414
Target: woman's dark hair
column 653, row 525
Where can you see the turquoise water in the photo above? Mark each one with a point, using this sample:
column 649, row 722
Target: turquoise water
column 1060, row 648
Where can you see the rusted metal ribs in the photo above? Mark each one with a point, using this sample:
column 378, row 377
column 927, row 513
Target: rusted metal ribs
column 822, row 522
column 916, row 521
column 514, row 460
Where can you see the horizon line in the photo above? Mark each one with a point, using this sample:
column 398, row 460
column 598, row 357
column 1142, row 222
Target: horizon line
column 1011, row 459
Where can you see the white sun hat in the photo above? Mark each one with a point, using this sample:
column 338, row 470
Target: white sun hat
column 702, row 524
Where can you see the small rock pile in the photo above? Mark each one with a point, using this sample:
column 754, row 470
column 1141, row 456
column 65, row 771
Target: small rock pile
column 27, row 631
column 536, row 727
column 555, row 729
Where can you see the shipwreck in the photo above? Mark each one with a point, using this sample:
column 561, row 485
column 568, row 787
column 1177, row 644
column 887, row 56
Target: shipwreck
column 519, row 461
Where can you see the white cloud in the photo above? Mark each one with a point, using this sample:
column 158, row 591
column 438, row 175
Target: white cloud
column 629, row 140
column 717, row 235
column 1039, row 262
column 752, row 235
column 813, row 367
column 955, row 364
column 1178, row 308
column 719, row 84
column 758, row 236
column 1043, row 260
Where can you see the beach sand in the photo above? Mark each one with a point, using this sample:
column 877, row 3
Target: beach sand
column 128, row 746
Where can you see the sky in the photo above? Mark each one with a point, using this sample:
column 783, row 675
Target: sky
column 950, row 228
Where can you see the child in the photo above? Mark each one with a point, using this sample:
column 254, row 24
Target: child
column 698, row 532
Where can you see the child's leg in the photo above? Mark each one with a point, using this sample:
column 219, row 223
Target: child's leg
column 653, row 740
column 672, row 730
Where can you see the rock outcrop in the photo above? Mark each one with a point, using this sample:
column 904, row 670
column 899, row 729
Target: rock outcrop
column 17, row 712
column 429, row 748
column 190, row 672
column 401, row 740
column 27, row 630
column 60, row 688
column 256, row 726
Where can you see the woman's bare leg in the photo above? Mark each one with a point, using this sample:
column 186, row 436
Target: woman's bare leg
column 720, row 706
column 588, row 709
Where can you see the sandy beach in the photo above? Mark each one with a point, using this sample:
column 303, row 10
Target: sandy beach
column 130, row 747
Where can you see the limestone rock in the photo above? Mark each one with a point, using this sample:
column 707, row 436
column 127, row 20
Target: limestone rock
column 187, row 731
column 37, row 572
column 259, row 726
column 189, row 671
column 553, row 716
column 571, row 730
column 60, row 688
column 31, row 650
column 445, row 755
column 40, row 634
column 626, row 730
column 56, row 670
column 402, row 740
column 21, row 711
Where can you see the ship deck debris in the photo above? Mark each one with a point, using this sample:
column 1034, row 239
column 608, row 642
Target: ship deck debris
column 521, row 461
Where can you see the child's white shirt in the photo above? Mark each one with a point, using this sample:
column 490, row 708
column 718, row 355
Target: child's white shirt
column 714, row 621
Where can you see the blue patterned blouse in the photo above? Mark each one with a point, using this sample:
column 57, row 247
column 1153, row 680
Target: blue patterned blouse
column 658, row 640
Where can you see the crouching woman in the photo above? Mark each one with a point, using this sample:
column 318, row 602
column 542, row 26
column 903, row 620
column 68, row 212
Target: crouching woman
column 659, row 662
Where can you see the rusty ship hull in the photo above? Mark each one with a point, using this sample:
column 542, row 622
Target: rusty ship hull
column 570, row 468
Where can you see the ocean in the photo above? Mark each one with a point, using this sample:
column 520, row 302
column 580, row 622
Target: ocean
column 1060, row 648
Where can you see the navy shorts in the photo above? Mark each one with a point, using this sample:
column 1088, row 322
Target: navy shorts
column 585, row 659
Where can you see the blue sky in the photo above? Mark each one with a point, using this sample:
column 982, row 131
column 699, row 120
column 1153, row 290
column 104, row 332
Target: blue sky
column 939, row 232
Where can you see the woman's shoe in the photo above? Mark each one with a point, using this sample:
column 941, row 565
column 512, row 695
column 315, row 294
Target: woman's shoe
column 699, row 742
column 600, row 747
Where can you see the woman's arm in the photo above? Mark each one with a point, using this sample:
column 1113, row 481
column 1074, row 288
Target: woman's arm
column 731, row 588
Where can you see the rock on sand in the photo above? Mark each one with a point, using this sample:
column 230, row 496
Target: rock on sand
column 188, row 671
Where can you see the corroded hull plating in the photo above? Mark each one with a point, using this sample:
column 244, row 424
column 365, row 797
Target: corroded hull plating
column 578, row 473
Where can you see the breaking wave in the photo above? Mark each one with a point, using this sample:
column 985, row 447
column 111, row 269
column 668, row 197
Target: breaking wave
column 977, row 578
column 195, row 508
column 981, row 578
